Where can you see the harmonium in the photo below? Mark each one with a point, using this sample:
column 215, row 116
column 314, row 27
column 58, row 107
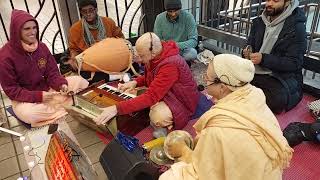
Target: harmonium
column 87, row 105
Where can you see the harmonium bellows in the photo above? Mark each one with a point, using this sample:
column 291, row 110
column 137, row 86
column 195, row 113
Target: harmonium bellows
column 88, row 103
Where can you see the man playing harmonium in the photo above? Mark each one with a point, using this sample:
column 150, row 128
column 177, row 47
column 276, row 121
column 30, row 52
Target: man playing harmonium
column 172, row 93
column 30, row 77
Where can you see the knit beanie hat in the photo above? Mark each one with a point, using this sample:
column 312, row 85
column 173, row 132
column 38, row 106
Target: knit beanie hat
column 233, row 70
column 172, row 4
column 83, row 3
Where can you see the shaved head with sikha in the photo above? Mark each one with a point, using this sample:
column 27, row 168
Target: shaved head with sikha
column 148, row 47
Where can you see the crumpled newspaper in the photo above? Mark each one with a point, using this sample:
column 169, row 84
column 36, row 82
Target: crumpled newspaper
column 205, row 57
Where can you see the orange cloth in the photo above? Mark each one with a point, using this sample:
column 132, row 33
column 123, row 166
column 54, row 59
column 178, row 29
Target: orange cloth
column 40, row 114
column 76, row 36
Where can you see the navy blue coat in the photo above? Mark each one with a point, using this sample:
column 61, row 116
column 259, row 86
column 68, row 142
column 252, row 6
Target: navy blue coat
column 286, row 57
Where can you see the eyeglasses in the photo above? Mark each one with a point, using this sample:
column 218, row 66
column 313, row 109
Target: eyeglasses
column 206, row 79
column 217, row 81
column 87, row 11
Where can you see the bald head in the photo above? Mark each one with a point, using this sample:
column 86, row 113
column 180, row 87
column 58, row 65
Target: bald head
column 148, row 46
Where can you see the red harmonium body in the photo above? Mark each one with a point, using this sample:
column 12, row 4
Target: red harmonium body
column 88, row 104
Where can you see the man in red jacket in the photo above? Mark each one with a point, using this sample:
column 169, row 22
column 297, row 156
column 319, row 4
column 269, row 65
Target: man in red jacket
column 172, row 93
column 29, row 74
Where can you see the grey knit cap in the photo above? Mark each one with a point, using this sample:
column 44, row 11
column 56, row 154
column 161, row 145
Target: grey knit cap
column 172, row 4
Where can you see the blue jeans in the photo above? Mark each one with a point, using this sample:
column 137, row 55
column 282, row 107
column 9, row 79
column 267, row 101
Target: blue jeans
column 189, row 54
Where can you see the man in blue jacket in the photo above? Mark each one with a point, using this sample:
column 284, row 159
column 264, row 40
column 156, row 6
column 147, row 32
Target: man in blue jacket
column 180, row 26
column 278, row 41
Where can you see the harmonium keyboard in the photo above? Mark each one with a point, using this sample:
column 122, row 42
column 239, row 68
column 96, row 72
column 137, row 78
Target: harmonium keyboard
column 87, row 105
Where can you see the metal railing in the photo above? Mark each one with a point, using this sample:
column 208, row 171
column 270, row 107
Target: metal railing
column 47, row 15
column 227, row 26
column 130, row 15
column 235, row 19
column 127, row 15
column 222, row 15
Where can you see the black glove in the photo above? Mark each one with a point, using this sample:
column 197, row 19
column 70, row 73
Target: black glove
column 297, row 132
column 293, row 134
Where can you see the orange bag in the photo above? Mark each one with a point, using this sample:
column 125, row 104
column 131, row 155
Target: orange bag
column 111, row 56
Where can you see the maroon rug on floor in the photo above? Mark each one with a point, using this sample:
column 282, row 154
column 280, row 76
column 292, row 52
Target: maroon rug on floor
column 305, row 164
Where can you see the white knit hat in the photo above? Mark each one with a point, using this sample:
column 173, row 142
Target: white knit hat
column 233, row 70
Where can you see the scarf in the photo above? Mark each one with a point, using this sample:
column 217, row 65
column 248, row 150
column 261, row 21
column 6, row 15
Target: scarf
column 274, row 27
column 88, row 37
column 29, row 47
column 246, row 110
